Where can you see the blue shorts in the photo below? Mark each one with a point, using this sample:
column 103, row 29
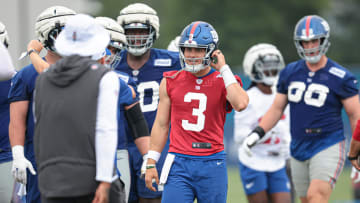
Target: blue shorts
column 202, row 178
column 138, row 187
column 256, row 181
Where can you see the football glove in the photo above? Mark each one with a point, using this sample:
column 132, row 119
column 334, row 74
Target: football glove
column 20, row 164
column 252, row 139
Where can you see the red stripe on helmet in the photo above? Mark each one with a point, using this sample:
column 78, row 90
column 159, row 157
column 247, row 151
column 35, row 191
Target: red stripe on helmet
column 191, row 34
column 308, row 25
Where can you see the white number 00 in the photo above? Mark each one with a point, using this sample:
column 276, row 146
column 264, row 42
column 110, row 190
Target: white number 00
column 200, row 123
column 296, row 90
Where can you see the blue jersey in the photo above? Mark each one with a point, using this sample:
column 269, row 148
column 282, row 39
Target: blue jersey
column 5, row 149
column 148, row 79
column 125, row 99
column 22, row 88
column 315, row 105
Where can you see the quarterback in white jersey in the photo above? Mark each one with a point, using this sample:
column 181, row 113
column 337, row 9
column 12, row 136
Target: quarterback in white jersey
column 263, row 170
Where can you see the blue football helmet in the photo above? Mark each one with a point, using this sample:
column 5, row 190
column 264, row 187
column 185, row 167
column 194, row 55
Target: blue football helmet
column 309, row 28
column 198, row 35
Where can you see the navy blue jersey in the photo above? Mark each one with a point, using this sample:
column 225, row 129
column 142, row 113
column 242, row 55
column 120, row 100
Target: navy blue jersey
column 315, row 105
column 125, row 99
column 22, row 88
column 148, row 78
column 5, row 149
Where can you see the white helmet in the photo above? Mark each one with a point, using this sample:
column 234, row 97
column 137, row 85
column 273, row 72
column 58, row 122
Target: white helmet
column 49, row 24
column 117, row 39
column 4, row 37
column 262, row 63
column 174, row 44
column 139, row 16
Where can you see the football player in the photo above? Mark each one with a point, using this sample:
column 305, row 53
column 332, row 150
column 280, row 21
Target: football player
column 174, row 44
column 195, row 101
column 6, row 181
column 21, row 128
column 317, row 88
column 129, row 107
column 145, row 65
column 263, row 173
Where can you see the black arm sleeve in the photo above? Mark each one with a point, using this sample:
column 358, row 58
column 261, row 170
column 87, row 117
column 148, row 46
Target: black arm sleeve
column 137, row 122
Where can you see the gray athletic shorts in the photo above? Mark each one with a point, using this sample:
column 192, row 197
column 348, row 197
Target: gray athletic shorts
column 122, row 164
column 6, row 181
column 325, row 165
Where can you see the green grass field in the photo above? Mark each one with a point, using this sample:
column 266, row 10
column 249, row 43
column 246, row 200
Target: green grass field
column 341, row 194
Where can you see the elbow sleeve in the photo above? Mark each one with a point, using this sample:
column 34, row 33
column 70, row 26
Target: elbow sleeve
column 137, row 122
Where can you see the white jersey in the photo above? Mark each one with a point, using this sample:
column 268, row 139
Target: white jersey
column 272, row 150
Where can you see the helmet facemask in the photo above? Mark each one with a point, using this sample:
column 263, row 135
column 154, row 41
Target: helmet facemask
column 308, row 54
column 137, row 45
column 195, row 67
column 266, row 69
column 50, row 43
column 115, row 48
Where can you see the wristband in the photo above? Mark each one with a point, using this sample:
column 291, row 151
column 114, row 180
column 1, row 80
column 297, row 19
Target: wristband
column 153, row 155
column 350, row 158
column 149, row 166
column 31, row 51
column 227, row 75
column 260, row 131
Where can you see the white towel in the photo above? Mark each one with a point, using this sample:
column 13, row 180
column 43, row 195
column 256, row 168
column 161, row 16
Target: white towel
column 166, row 170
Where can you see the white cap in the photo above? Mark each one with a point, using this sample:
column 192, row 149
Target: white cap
column 82, row 36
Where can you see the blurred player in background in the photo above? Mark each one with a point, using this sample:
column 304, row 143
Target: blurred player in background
column 7, row 69
column 6, row 180
column 174, row 44
column 195, row 101
column 21, row 128
column 145, row 65
column 263, row 172
column 317, row 88
column 130, row 112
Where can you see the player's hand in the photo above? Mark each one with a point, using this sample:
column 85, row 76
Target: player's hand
column 102, row 193
column 354, row 152
column 151, row 176
column 249, row 142
column 218, row 60
column 20, row 164
column 36, row 45
column 143, row 166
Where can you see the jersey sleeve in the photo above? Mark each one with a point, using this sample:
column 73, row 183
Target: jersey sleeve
column 281, row 85
column 349, row 86
column 18, row 89
column 132, row 83
column 125, row 95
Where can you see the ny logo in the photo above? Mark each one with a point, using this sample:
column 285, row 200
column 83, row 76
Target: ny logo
column 309, row 34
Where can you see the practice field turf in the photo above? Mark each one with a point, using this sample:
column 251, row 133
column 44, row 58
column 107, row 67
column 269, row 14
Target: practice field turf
column 341, row 194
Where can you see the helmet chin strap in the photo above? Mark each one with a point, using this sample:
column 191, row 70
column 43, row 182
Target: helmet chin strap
column 194, row 68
